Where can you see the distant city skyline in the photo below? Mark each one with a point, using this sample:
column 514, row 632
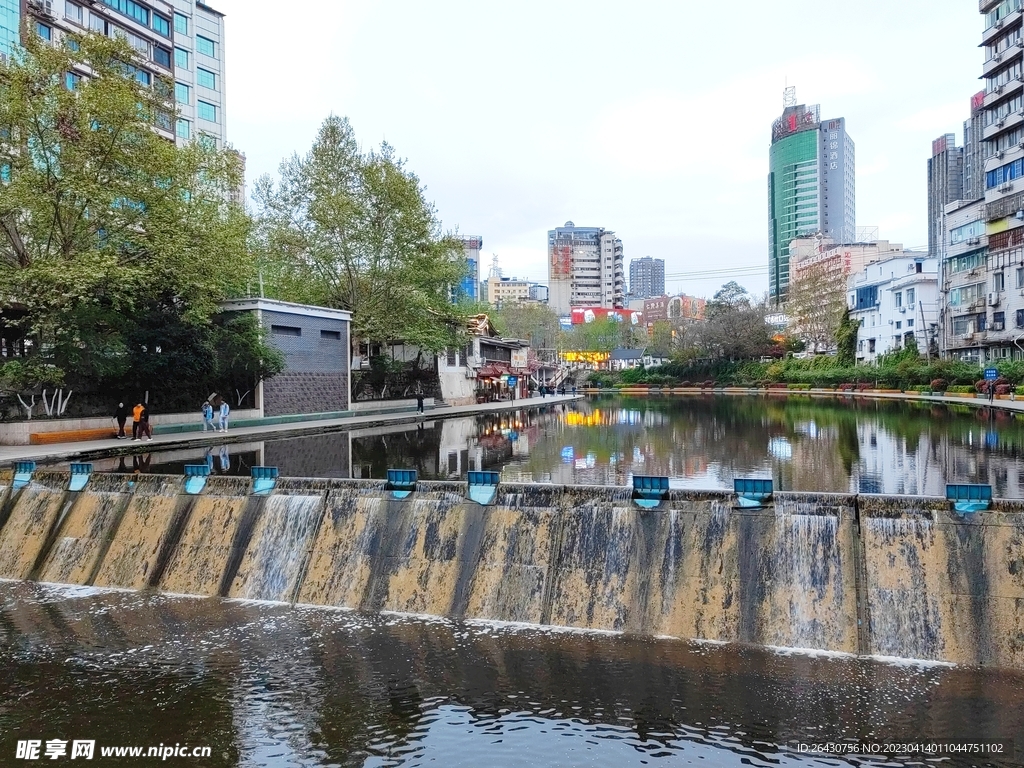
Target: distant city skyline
column 673, row 158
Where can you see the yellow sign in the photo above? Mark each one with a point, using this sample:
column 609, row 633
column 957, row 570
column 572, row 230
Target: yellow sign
column 586, row 357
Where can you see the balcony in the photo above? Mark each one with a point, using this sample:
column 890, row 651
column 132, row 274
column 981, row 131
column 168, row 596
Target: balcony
column 1000, row 28
column 1001, row 59
column 1001, row 93
column 984, row 6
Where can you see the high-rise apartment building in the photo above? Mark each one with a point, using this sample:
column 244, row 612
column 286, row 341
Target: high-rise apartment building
column 995, row 297
column 945, row 184
column 470, row 287
column 974, row 150
column 646, row 277
column 585, row 268
column 810, row 185
column 180, row 41
column 10, row 24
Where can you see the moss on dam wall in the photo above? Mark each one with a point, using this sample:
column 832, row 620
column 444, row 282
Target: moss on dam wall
column 893, row 576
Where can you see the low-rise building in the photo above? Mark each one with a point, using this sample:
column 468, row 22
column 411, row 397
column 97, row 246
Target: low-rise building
column 895, row 302
column 487, row 368
column 315, row 345
column 507, row 290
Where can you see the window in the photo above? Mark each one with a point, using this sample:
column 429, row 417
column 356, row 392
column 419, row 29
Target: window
column 451, row 358
column 180, row 58
column 899, row 298
column 207, row 141
column 871, row 345
column 205, row 46
column 183, row 130
column 333, row 335
column 998, row 321
column 161, row 25
column 910, row 297
column 998, row 281
column 207, row 111
column 180, row 24
column 163, row 120
column 130, row 9
column 285, row 330
column 162, row 56
column 1020, row 318
column 910, row 323
column 71, row 80
column 206, row 78
column 1020, row 277
column 143, row 76
column 182, row 93
column 73, row 12
column 44, row 31
column 71, row 44
column 899, row 324
column 97, row 24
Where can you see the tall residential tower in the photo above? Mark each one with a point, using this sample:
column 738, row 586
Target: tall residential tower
column 646, row 278
column 945, row 184
column 810, row 185
column 585, row 268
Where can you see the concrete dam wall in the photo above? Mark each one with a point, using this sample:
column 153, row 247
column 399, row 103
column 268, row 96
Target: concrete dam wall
column 893, row 576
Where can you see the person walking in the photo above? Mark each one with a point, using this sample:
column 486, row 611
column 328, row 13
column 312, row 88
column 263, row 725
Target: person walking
column 225, row 410
column 144, row 427
column 991, row 391
column 208, row 417
column 121, row 416
column 419, row 402
column 137, row 421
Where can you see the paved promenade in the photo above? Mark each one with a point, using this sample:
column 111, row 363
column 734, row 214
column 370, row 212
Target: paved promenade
column 96, row 448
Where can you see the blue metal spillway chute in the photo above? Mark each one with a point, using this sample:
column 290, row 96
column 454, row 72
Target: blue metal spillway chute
column 649, row 490
column 968, row 499
column 752, row 492
column 23, row 474
column 401, row 482
column 483, row 487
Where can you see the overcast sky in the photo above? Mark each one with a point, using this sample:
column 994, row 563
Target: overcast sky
column 648, row 118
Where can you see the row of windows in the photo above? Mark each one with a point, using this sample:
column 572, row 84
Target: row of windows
column 141, row 14
column 1003, row 110
column 1001, row 11
column 1004, row 173
column 1003, row 76
column 966, row 232
column 966, row 294
column 1004, row 42
column 1005, row 141
column 965, row 263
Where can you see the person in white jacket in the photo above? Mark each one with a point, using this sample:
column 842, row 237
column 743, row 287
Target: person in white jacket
column 225, row 409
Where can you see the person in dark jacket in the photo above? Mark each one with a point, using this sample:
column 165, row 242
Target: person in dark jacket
column 419, row 402
column 121, row 416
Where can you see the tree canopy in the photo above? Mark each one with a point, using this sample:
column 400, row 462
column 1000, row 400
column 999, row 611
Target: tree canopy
column 353, row 230
column 116, row 244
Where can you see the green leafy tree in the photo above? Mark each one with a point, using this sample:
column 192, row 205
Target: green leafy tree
column 846, row 339
column 537, row 323
column 101, row 217
column 353, row 230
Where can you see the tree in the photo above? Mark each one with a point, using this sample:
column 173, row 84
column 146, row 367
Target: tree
column 602, row 335
column 846, row 340
column 816, row 303
column 354, row 231
column 100, row 216
column 736, row 328
column 537, row 323
column 662, row 338
column 729, row 298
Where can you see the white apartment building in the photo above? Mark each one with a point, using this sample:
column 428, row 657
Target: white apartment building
column 585, row 268
column 507, row 290
column 895, row 302
column 180, row 41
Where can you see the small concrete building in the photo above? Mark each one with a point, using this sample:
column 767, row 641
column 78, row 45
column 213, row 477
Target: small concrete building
column 315, row 343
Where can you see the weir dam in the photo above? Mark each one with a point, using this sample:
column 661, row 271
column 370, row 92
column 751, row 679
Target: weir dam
column 861, row 574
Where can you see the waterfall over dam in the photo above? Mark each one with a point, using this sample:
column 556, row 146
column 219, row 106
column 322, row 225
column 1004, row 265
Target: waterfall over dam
column 862, row 574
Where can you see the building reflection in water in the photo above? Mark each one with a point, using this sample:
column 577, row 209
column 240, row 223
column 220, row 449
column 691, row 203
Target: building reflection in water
column 804, row 444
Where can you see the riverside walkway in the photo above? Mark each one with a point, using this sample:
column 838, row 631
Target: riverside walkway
column 97, row 448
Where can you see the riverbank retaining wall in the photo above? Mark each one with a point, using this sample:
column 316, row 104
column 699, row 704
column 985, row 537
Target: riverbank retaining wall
column 862, row 574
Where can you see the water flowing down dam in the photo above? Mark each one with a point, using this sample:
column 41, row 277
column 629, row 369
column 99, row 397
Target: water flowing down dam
column 861, row 574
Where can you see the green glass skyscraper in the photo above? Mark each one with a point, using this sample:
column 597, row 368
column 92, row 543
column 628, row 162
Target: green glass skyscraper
column 810, row 187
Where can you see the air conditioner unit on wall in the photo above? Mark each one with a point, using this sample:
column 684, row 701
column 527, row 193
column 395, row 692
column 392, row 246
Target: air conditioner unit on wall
column 993, row 299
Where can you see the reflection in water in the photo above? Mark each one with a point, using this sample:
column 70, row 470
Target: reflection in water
column 700, row 442
column 270, row 685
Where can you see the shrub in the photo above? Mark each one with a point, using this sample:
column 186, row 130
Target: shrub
column 802, row 387
column 1001, row 381
column 960, row 389
column 981, row 386
column 864, row 387
column 709, row 384
column 1002, row 389
column 686, row 383
column 846, row 387
column 1019, row 391
column 939, row 385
